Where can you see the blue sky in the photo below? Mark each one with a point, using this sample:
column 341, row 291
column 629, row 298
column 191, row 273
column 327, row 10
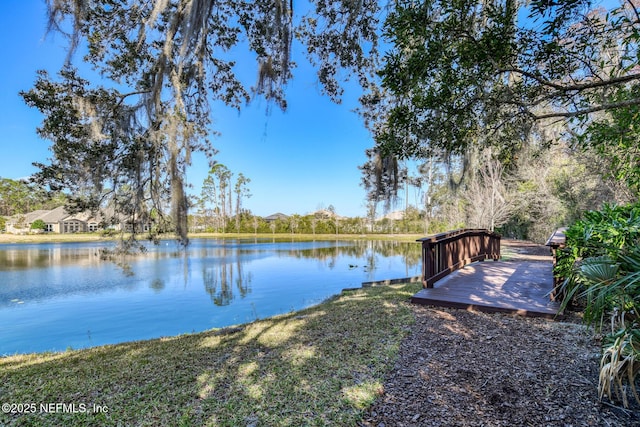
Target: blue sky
column 298, row 161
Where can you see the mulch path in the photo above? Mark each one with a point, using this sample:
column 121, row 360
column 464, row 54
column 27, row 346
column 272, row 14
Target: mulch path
column 465, row 368
column 520, row 250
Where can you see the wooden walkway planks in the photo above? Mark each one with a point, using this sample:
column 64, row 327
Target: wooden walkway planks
column 518, row 287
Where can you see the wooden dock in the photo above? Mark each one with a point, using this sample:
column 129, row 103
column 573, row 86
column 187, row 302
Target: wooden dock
column 517, row 287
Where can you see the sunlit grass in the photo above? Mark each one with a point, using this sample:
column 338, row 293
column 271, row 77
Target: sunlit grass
column 363, row 395
column 321, row 366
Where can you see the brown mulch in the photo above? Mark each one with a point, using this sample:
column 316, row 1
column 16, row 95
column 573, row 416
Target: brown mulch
column 464, row 368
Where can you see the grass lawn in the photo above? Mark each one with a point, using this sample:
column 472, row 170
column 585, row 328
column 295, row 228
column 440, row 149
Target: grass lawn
column 51, row 238
column 320, row 366
column 95, row 237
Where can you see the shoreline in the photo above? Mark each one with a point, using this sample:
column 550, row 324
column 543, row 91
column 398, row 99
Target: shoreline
column 334, row 355
column 96, row 237
column 365, row 357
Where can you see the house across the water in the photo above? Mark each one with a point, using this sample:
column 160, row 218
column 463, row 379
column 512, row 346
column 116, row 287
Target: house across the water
column 275, row 217
column 58, row 220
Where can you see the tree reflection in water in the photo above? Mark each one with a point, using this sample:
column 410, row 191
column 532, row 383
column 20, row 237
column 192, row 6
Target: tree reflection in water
column 226, row 265
column 225, row 275
column 68, row 289
column 219, row 280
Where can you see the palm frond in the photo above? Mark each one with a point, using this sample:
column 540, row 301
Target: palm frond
column 600, row 270
column 620, row 363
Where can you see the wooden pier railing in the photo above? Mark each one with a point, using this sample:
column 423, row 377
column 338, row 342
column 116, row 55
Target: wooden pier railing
column 446, row 252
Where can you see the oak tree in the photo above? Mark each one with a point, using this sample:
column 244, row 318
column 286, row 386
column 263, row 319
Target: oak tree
column 467, row 73
column 163, row 66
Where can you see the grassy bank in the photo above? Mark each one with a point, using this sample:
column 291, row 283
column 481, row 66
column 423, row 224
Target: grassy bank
column 309, row 237
column 95, row 237
column 319, row 366
column 51, row 238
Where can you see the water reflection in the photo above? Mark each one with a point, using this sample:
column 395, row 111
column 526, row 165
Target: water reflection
column 221, row 280
column 224, row 271
column 370, row 251
column 52, row 294
column 157, row 285
column 21, row 257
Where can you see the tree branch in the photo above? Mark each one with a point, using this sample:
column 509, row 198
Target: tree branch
column 602, row 107
column 123, row 96
column 576, row 87
column 633, row 7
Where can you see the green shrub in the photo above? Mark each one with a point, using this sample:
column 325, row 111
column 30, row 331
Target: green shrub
column 610, row 232
column 601, row 268
column 38, row 224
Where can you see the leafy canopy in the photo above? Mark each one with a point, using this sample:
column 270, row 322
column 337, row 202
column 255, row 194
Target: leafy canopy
column 468, row 72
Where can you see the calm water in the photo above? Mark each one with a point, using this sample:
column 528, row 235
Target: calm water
column 59, row 296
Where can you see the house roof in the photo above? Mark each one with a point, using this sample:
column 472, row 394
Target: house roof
column 59, row 215
column 50, row 216
column 276, row 216
column 54, row 215
column 31, row 216
column 81, row 216
column 27, row 218
column 395, row 215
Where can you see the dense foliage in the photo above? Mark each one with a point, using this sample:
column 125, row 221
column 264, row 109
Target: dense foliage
column 38, row 224
column 458, row 70
column 615, row 138
column 601, row 268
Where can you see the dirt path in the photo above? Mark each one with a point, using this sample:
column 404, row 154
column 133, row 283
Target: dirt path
column 519, row 250
column 461, row 368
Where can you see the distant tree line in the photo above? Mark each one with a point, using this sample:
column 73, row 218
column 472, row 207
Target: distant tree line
column 219, row 208
column 538, row 189
column 21, row 196
column 297, row 224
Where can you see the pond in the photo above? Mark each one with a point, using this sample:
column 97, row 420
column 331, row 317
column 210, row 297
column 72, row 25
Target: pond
column 55, row 297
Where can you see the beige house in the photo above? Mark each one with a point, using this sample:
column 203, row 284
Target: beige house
column 21, row 223
column 57, row 220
